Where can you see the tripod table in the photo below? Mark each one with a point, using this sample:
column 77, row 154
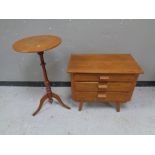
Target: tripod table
column 40, row 44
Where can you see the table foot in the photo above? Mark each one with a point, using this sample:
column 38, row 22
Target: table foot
column 41, row 104
column 59, row 100
column 42, row 100
column 50, row 101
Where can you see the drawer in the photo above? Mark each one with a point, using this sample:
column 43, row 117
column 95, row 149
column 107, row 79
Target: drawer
column 104, row 77
column 106, row 86
column 102, row 96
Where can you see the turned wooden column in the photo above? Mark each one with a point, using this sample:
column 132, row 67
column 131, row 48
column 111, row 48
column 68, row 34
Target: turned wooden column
column 46, row 81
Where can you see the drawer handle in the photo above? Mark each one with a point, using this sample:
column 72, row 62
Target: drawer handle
column 104, row 77
column 101, row 95
column 102, row 86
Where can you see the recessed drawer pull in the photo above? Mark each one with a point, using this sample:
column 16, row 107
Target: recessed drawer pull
column 101, row 95
column 102, row 86
column 104, row 77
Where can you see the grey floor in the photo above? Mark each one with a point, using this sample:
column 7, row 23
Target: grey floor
column 17, row 104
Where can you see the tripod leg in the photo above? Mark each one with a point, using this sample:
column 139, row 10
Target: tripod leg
column 60, row 101
column 41, row 104
column 50, row 100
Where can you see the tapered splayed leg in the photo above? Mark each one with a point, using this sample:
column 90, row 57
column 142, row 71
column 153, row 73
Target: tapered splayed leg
column 42, row 100
column 118, row 106
column 60, row 101
column 80, row 106
column 50, row 101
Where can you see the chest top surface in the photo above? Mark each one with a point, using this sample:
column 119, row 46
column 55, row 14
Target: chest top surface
column 103, row 63
column 36, row 43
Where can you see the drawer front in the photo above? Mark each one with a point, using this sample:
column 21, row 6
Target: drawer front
column 104, row 86
column 102, row 96
column 104, row 77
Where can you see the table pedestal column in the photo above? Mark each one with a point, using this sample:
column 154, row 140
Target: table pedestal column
column 49, row 94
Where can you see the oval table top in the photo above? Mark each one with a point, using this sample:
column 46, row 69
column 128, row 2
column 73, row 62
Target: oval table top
column 35, row 44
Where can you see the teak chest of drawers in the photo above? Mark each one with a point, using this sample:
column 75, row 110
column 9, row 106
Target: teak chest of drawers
column 103, row 77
